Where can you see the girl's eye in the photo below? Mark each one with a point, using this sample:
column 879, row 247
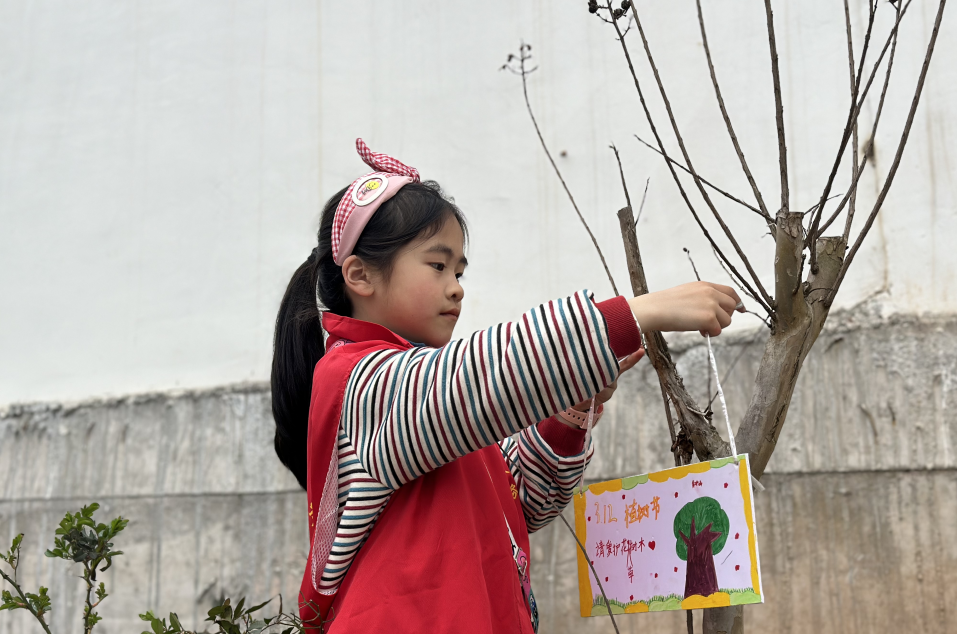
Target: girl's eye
column 458, row 276
column 438, row 266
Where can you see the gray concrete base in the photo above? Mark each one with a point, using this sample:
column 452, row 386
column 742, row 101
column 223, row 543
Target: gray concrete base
column 857, row 528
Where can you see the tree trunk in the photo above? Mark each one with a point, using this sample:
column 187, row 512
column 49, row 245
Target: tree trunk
column 724, row 620
column 801, row 312
column 700, row 575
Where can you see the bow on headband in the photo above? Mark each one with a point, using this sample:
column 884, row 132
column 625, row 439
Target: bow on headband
column 365, row 196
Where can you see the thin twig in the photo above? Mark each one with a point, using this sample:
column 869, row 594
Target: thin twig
column 644, row 196
column 897, row 157
column 674, row 174
column 26, row 602
column 765, row 320
column 585, row 553
column 727, row 120
column 814, row 232
column 687, row 158
column 855, row 144
column 868, row 147
column 693, row 267
column 523, row 58
column 621, row 171
column 731, row 197
column 852, row 115
column 778, row 110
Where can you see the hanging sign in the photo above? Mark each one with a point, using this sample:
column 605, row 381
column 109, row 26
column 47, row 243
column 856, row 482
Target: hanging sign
column 679, row 539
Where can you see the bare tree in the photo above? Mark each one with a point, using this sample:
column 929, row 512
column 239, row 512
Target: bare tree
column 803, row 295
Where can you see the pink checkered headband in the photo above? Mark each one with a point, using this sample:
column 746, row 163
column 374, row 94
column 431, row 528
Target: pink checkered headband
column 365, row 196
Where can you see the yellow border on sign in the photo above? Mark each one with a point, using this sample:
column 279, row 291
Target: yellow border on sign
column 584, row 582
column 744, row 476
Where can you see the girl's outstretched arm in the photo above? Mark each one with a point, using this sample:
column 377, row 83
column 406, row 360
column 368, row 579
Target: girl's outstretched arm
column 546, row 460
column 409, row 412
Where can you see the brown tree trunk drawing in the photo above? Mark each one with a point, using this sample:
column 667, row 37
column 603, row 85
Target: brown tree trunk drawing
column 700, row 577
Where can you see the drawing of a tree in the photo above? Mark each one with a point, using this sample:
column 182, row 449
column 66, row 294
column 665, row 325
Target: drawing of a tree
column 701, row 531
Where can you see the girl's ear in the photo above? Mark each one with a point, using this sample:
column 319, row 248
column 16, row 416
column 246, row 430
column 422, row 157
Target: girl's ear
column 358, row 277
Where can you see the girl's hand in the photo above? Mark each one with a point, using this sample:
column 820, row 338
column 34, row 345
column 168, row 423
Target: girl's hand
column 605, row 395
column 700, row 306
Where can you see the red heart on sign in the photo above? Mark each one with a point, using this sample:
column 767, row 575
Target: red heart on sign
column 651, row 545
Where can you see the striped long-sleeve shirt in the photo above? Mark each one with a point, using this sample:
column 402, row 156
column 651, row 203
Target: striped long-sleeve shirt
column 409, row 410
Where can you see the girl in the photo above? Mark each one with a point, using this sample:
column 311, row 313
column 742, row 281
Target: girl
column 426, row 461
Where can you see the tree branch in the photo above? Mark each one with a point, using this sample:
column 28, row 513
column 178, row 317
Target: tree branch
column 814, row 231
column 687, row 158
column 703, row 180
column 727, row 120
column 671, row 169
column 26, row 602
column 897, row 157
column 855, row 145
column 778, row 110
column 522, row 59
column 868, row 148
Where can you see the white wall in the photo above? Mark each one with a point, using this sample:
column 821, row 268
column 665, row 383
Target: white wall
column 162, row 165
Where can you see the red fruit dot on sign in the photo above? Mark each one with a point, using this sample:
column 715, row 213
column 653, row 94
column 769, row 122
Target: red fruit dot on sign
column 726, row 485
column 606, row 578
column 589, row 518
column 656, row 575
column 623, row 497
column 736, row 568
column 651, row 544
column 676, row 568
column 631, row 597
column 676, row 494
column 593, row 562
column 736, row 535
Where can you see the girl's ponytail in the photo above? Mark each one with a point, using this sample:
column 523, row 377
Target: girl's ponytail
column 418, row 210
column 298, row 344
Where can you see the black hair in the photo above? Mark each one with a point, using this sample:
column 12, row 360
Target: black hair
column 417, row 211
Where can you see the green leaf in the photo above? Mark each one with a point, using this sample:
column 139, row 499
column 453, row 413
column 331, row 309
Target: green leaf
column 157, row 626
column 239, row 607
column 256, row 608
column 174, row 621
column 101, row 592
column 147, row 616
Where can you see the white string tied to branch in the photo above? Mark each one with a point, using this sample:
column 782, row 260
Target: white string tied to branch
column 724, row 404
column 724, row 408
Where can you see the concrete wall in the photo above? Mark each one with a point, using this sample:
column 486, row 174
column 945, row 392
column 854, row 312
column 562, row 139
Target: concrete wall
column 856, row 527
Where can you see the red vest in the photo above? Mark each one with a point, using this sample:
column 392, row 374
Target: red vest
column 439, row 558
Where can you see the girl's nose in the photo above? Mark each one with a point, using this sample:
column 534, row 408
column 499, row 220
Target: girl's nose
column 456, row 291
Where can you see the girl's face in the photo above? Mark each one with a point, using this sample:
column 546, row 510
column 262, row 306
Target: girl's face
column 422, row 298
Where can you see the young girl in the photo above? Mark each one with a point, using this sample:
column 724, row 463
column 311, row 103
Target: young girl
column 427, row 462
